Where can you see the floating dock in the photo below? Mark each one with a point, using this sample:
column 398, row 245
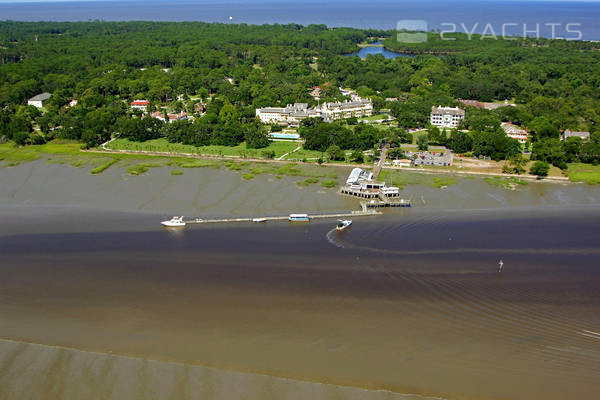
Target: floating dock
column 385, row 203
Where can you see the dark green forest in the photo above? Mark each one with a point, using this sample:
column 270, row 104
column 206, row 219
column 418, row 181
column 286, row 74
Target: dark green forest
column 105, row 65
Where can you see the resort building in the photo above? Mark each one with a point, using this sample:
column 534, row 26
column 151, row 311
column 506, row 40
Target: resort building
column 141, row 105
column 447, row 117
column 294, row 114
column 515, row 132
column 569, row 133
column 347, row 109
column 39, row 100
column 288, row 115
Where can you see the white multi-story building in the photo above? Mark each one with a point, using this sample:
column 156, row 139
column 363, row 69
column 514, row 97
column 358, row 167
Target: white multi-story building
column 290, row 114
column 346, row 109
column 446, row 117
column 294, row 114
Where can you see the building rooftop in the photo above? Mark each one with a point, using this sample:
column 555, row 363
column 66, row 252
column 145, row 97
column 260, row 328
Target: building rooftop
column 41, row 97
column 447, row 110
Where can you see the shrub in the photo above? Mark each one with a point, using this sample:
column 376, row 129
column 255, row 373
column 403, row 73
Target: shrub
column 540, row 168
column 20, row 138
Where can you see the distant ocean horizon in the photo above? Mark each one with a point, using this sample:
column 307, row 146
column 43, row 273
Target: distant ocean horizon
column 568, row 19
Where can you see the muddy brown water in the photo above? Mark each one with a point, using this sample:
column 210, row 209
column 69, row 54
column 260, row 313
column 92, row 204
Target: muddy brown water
column 97, row 301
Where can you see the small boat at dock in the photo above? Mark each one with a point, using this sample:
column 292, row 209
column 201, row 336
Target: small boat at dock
column 343, row 224
column 175, row 222
column 259, row 220
column 298, row 218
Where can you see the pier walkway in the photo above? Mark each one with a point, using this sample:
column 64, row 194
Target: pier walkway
column 379, row 166
column 365, row 212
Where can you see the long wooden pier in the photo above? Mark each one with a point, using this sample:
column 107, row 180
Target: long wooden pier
column 363, row 213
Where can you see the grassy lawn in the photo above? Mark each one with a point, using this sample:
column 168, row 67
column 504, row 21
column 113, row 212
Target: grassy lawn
column 162, row 145
column 309, row 155
column 587, row 173
column 401, row 179
column 374, row 117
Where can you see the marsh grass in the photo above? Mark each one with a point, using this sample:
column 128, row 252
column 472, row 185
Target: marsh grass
column 141, row 168
column 509, row 183
column 329, row 184
column 104, row 167
column 197, row 163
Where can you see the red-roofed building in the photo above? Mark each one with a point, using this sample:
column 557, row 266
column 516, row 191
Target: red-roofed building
column 171, row 117
column 140, row 104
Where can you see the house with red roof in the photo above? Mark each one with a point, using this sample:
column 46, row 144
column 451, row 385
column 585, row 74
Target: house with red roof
column 140, row 105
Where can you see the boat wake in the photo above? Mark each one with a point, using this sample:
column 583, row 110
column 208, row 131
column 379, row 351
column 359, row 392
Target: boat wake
column 333, row 237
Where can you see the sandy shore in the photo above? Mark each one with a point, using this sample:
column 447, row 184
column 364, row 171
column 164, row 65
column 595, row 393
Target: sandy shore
column 55, row 372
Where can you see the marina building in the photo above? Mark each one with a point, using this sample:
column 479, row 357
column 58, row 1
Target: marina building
column 39, row 100
column 360, row 184
column 446, row 117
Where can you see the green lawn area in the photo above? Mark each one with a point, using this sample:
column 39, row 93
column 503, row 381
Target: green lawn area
column 401, row 179
column 374, row 117
column 162, row 145
column 587, row 173
column 309, row 155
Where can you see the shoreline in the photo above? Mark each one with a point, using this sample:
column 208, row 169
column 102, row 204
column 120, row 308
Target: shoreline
column 328, row 164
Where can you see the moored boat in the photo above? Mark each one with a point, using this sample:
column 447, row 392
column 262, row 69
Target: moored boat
column 343, row 224
column 175, row 222
column 298, row 218
column 258, row 220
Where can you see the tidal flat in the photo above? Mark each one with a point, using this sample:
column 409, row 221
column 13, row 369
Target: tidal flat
column 98, row 301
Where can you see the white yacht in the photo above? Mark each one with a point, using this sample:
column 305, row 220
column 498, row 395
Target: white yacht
column 343, row 224
column 175, row 222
